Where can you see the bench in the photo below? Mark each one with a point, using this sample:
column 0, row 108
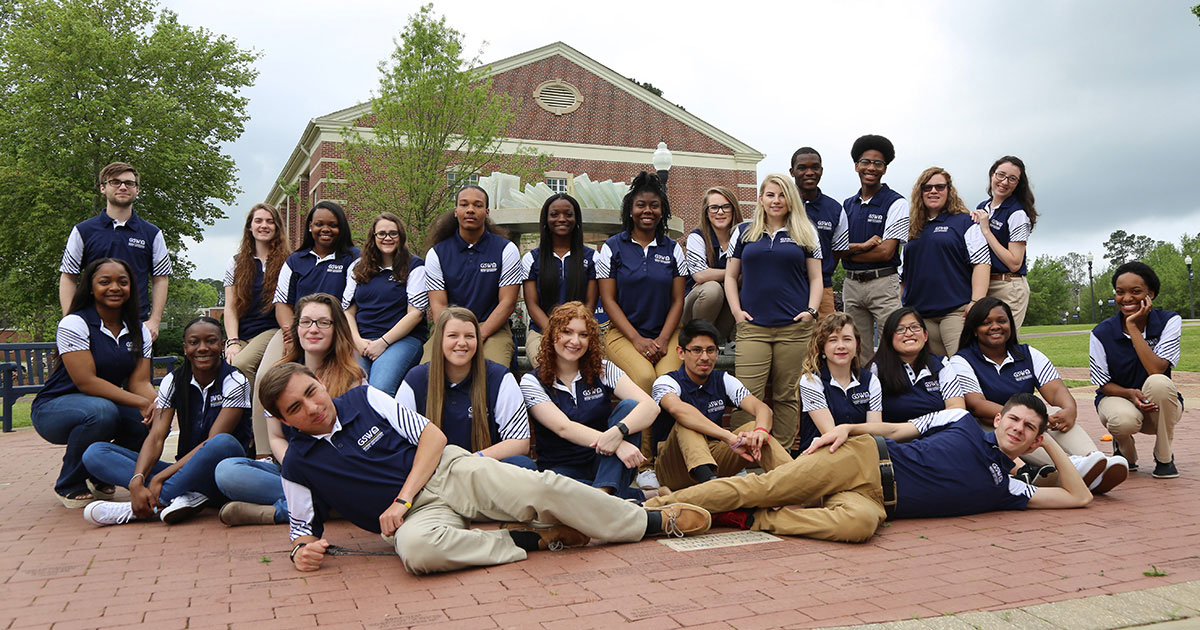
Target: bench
column 24, row 368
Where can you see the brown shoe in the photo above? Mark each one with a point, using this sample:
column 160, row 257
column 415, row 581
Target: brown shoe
column 553, row 537
column 237, row 513
column 683, row 519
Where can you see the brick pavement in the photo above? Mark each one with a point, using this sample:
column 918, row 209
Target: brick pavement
column 56, row 570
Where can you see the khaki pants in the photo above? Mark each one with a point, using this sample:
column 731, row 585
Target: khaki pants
column 533, row 341
column 707, row 301
column 642, row 371
column 826, row 303
column 776, row 353
column 435, row 534
column 869, row 303
column 498, row 348
column 847, row 479
column 945, row 331
column 686, row 449
column 1015, row 293
column 1123, row 419
column 272, row 353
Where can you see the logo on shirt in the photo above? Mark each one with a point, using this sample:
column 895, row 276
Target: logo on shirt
column 859, row 398
column 129, row 346
column 593, row 393
column 1022, row 375
column 941, row 228
column 716, row 405
column 932, row 385
column 334, row 268
column 997, row 474
column 369, row 438
column 996, row 225
column 488, row 267
column 139, row 243
column 787, row 239
column 662, row 259
column 825, row 226
column 874, row 218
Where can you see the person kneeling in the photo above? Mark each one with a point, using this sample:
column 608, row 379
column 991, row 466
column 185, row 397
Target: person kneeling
column 387, row 469
column 954, row 469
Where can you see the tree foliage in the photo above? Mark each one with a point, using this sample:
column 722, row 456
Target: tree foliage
column 188, row 298
column 1049, row 292
column 88, row 82
column 1122, row 247
column 435, row 117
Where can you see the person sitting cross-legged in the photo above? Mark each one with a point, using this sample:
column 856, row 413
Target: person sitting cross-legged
column 863, row 474
column 387, row 469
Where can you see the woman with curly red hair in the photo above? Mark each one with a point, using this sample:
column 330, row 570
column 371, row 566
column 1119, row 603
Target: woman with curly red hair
column 579, row 432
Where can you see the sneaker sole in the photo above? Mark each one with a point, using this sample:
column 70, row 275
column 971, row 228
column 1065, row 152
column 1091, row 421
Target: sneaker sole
column 1095, row 471
column 180, row 513
column 1158, row 476
column 1112, row 478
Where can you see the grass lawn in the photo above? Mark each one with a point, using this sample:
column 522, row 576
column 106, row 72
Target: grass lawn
column 1055, row 328
column 21, row 412
column 1072, row 350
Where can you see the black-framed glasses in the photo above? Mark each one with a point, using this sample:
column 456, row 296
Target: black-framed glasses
column 911, row 328
column 122, row 183
column 390, row 234
column 723, row 208
column 1012, row 179
column 928, row 187
column 324, row 323
column 875, row 163
column 697, row 350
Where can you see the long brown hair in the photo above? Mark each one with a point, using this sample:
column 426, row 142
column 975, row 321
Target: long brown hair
column 372, row 257
column 826, row 326
column 243, row 264
column 435, row 398
column 707, row 231
column 590, row 363
column 918, row 215
column 339, row 371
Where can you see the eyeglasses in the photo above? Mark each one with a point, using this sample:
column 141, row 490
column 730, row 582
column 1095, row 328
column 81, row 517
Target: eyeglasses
column 324, row 323
column 389, row 235
column 912, row 328
column 876, row 163
column 1000, row 177
column 724, row 208
column 697, row 351
column 928, row 187
column 122, row 183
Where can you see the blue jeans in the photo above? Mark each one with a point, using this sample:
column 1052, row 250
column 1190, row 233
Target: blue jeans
column 608, row 471
column 521, row 461
column 115, row 465
column 79, row 420
column 389, row 369
column 253, row 481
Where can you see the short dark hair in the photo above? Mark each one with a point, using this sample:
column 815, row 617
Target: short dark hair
column 1139, row 268
column 873, row 142
column 698, row 328
column 272, row 384
column 116, row 168
column 802, row 151
column 1033, row 403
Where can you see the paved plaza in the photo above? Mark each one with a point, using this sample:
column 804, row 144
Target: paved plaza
column 1037, row 569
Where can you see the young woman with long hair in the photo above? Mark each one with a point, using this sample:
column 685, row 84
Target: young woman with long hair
column 458, row 382
column 945, row 266
column 211, row 400
column 774, row 287
column 915, row 382
column 579, row 432
column 834, row 387
column 100, row 389
column 385, row 304
column 707, row 251
column 1006, row 219
column 560, row 269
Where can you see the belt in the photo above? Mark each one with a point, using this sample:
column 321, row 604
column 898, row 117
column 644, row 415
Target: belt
column 1006, row 276
column 871, row 274
column 887, row 478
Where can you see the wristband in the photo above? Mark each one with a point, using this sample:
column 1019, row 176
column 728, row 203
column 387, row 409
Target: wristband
column 623, row 429
column 385, row 341
column 812, row 311
column 407, row 504
column 762, row 429
column 478, row 453
column 735, row 445
column 135, row 477
column 230, row 342
column 292, row 556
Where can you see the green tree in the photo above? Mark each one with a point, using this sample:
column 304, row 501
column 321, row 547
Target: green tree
column 1049, row 292
column 88, row 82
column 188, row 299
column 1196, row 10
column 434, row 119
column 1122, row 246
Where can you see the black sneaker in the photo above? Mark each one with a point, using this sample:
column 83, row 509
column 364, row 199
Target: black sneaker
column 1029, row 473
column 1165, row 470
column 1117, row 453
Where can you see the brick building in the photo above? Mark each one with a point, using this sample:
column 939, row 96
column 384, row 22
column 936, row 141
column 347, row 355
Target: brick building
column 588, row 117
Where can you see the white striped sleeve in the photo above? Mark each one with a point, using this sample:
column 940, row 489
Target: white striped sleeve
column 896, row 224
column 697, row 254
column 230, row 272
column 511, row 414
column 1168, row 346
column 72, row 335
column 351, row 285
column 812, row 393
column 1097, row 361
column 948, row 382
column 841, row 234
column 72, row 259
column 664, row 385
column 610, row 374
column 977, row 248
column 532, row 391
column 735, row 390
column 284, row 284
column 681, row 270
column 968, row 381
column 1019, row 226
column 302, row 515
column 603, row 262
column 406, row 397
column 147, row 343
column 1043, row 369
column 510, row 266
column 875, row 402
column 418, row 296
column 235, row 391
column 162, row 259
column 1019, row 488
column 527, row 266
column 434, row 281
column 935, row 419
column 166, row 391
column 405, row 421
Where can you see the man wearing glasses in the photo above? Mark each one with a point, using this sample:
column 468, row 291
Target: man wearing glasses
column 119, row 233
column 693, row 399
column 878, row 222
column 827, row 217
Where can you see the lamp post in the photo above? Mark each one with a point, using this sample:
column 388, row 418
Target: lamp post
column 662, row 163
column 1187, row 260
column 1076, row 313
column 1091, row 286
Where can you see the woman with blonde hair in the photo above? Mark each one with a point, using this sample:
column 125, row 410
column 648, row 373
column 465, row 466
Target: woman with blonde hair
column 707, row 252
column 458, row 382
column 778, row 258
column 946, row 262
column 835, row 388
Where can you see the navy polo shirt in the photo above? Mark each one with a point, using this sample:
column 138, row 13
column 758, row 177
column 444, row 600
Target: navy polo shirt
column 531, row 265
column 252, row 320
column 471, row 275
column 383, row 301
column 506, row 414
column 589, row 404
column 847, row 405
column 954, row 469
column 1009, row 223
column 305, row 273
column 357, row 468
column 927, row 395
column 718, row 393
column 113, row 356
column 833, row 232
column 1023, row 370
column 1111, row 355
column 938, row 264
column 644, row 278
column 228, row 390
column 136, row 241
column 885, row 215
column 774, row 276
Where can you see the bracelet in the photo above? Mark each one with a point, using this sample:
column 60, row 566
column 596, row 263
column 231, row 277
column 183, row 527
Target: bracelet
column 407, row 504
column 762, row 429
column 478, row 453
column 135, row 477
column 292, row 556
column 386, row 343
column 230, row 342
column 735, row 445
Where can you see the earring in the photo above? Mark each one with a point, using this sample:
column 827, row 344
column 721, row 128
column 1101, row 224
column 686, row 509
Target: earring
column 822, row 355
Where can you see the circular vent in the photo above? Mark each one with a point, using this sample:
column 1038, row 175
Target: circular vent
column 558, row 97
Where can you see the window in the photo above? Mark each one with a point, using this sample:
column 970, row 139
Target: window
column 456, row 179
column 557, row 184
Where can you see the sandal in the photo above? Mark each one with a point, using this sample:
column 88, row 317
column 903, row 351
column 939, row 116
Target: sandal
column 76, row 500
column 104, row 492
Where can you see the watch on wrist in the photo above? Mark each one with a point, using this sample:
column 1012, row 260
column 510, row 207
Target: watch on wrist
column 811, row 311
column 623, row 429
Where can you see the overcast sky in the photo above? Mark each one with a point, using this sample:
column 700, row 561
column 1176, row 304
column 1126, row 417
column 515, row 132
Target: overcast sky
column 1101, row 99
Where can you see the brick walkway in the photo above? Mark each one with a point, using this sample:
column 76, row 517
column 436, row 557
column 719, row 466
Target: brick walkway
column 57, row 570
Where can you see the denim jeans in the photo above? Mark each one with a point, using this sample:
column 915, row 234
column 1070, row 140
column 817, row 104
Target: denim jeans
column 608, row 471
column 388, row 370
column 115, row 465
column 79, row 420
column 520, row 460
column 253, row 481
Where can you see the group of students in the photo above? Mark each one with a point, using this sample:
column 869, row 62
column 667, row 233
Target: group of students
column 599, row 406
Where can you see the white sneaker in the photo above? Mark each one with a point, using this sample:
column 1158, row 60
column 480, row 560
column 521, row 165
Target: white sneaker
column 182, row 507
column 1090, row 466
column 647, row 479
column 1115, row 472
column 108, row 512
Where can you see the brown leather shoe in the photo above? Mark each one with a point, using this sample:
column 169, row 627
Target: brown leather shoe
column 236, row 513
column 683, row 519
column 553, row 537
